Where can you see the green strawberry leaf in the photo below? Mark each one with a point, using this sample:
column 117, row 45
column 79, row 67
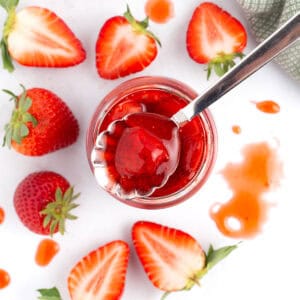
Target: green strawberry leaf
column 6, row 59
column 215, row 256
column 140, row 26
column 17, row 128
column 9, row 4
column 49, row 294
column 222, row 63
column 10, row 7
column 58, row 211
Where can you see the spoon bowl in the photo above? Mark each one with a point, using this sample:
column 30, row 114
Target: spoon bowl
column 137, row 154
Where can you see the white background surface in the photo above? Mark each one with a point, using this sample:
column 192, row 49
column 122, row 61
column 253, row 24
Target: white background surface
column 262, row 268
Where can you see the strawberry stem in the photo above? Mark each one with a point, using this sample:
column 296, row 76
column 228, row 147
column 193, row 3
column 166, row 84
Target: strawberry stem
column 49, row 294
column 140, row 26
column 165, row 295
column 58, row 211
column 6, row 59
column 9, row 6
column 213, row 257
column 17, row 128
column 222, row 63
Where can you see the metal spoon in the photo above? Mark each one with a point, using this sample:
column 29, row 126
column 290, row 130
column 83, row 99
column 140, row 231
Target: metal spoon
column 261, row 55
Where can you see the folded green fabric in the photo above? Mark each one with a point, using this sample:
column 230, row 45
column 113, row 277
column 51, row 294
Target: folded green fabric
column 265, row 16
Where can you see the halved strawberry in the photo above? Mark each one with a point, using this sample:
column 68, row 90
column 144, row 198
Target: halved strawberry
column 36, row 36
column 124, row 46
column 101, row 274
column 215, row 37
column 172, row 259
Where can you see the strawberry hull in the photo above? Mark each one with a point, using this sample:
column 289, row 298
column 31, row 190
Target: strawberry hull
column 198, row 139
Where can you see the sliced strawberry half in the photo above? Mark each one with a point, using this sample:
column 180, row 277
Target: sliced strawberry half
column 172, row 259
column 100, row 274
column 124, row 46
column 215, row 37
column 37, row 37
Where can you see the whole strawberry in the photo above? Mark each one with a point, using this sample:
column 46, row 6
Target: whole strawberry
column 124, row 46
column 40, row 123
column 43, row 201
column 36, row 36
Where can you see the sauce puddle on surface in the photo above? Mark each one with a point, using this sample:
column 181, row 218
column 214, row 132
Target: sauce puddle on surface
column 4, row 279
column 268, row 106
column 159, row 11
column 45, row 252
column 245, row 213
column 2, row 215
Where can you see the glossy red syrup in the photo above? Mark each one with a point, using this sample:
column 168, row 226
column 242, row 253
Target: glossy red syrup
column 46, row 251
column 245, row 213
column 4, row 279
column 268, row 106
column 191, row 137
column 142, row 151
column 236, row 129
column 2, row 215
column 159, row 11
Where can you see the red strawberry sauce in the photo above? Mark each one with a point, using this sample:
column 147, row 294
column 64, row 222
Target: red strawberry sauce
column 268, row 106
column 2, row 215
column 46, row 251
column 191, row 135
column 4, row 279
column 159, row 11
column 245, row 213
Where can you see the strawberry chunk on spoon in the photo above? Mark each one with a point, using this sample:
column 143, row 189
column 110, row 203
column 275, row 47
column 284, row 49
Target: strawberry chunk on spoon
column 138, row 152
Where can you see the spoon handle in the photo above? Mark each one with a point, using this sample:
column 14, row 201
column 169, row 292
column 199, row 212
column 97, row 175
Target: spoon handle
column 261, row 55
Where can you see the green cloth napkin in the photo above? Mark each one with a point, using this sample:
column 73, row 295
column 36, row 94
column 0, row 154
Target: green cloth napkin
column 265, row 16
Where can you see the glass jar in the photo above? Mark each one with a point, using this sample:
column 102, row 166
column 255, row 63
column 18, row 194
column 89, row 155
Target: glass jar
column 198, row 137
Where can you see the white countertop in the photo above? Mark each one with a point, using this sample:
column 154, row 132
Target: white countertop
column 264, row 267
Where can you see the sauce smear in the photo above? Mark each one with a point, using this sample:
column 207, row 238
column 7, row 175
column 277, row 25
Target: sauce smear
column 268, row 106
column 236, row 129
column 2, row 215
column 4, row 279
column 159, row 11
column 46, row 251
column 245, row 213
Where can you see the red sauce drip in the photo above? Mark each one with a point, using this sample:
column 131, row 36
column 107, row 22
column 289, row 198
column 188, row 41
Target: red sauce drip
column 159, row 11
column 2, row 215
column 245, row 213
column 46, row 251
column 268, row 106
column 4, row 279
column 236, row 129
